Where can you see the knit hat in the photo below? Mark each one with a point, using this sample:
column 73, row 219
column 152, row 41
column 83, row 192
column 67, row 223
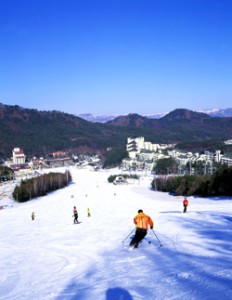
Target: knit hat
column 140, row 211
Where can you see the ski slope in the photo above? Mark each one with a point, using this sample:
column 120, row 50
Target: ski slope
column 51, row 258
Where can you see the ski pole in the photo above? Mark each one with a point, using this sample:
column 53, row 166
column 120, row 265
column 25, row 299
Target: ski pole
column 157, row 238
column 128, row 235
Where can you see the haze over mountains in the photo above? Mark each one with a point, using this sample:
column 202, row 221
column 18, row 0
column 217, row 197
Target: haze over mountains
column 214, row 112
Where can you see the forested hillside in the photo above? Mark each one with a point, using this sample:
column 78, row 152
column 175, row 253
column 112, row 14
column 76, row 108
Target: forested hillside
column 40, row 132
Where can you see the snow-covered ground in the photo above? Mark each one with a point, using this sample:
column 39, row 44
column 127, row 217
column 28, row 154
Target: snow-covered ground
column 51, row 258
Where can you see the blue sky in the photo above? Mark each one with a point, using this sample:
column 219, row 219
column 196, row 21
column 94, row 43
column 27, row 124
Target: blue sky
column 116, row 56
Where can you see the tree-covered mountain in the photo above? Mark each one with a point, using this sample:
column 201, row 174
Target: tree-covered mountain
column 181, row 125
column 187, row 126
column 40, row 132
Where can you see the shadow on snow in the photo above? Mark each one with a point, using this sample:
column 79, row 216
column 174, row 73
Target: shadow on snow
column 149, row 272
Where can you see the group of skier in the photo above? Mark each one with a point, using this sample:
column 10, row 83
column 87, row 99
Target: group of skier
column 75, row 214
column 141, row 221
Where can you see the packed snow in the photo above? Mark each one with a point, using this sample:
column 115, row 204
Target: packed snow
column 187, row 256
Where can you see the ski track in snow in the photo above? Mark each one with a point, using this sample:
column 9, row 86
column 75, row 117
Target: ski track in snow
column 53, row 259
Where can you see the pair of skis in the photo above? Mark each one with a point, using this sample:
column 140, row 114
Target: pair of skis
column 149, row 242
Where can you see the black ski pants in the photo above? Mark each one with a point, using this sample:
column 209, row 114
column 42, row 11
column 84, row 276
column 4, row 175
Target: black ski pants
column 185, row 208
column 140, row 233
column 75, row 218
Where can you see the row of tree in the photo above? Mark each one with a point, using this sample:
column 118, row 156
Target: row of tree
column 165, row 166
column 217, row 184
column 40, row 186
column 6, row 174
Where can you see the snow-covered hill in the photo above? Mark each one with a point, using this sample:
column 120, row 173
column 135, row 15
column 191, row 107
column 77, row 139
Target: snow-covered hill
column 214, row 112
column 51, row 258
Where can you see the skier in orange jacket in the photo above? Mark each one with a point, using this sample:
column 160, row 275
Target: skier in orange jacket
column 142, row 222
column 185, row 204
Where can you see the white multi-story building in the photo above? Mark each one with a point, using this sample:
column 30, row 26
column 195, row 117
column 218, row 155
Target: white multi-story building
column 218, row 156
column 227, row 161
column 136, row 145
column 145, row 154
column 142, row 154
column 19, row 157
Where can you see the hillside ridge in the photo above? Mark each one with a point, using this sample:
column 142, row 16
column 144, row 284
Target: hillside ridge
column 40, row 132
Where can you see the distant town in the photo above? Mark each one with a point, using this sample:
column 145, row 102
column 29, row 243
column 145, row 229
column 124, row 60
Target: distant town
column 23, row 168
column 142, row 156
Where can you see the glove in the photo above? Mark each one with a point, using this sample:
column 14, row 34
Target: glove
column 151, row 227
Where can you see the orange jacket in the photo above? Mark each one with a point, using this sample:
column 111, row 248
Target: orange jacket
column 142, row 221
column 185, row 202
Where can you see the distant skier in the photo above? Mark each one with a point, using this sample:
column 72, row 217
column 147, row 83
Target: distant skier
column 141, row 221
column 88, row 212
column 33, row 216
column 75, row 215
column 185, row 204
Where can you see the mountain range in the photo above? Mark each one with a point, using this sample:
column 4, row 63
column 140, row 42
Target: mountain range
column 41, row 132
column 214, row 112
